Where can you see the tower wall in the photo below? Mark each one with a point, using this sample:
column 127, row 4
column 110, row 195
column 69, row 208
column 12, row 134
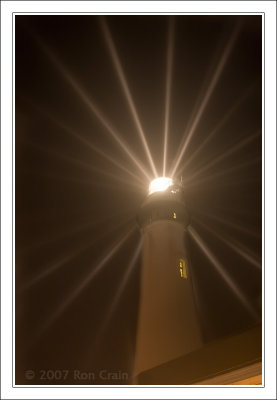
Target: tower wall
column 167, row 323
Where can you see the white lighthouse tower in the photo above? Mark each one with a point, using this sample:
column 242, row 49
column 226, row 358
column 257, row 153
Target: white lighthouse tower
column 168, row 326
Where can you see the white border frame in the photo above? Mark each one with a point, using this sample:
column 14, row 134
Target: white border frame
column 269, row 146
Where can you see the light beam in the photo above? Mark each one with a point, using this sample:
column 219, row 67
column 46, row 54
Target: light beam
column 217, row 128
column 223, row 172
column 233, row 225
column 169, row 63
column 85, row 282
column 87, row 142
column 223, row 156
column 117, row 297
column 126, row 91
column 59, row 263
column 82, row 164
column 234, row 245
column 92, row 107
column 223, row 273
column 207, row 96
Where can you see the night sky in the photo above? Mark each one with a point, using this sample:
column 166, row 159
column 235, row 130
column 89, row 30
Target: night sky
column 73, row 205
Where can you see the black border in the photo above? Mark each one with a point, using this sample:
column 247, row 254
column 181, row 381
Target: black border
column 13, row 200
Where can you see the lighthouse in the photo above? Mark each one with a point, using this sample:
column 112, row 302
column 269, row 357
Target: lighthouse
column 168, row 325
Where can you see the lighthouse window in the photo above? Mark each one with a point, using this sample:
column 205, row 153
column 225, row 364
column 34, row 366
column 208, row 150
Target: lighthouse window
column 183, row 269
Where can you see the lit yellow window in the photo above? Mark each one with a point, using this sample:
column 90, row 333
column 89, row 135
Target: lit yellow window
column 183, row 268
column 174, row 215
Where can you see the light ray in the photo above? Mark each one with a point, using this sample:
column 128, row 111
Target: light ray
column 219, row 126
column 92, row 107
column 235, row 226
column 169, row 63
column 117, row 296
column 105, row 155
column 89, row 182
column 85, row 282
column 87, row 142
column 57, row 264
column 223, row 156
column 238, row 211
column 73, row 231
column 126, row 90
column 207, row 96
column 224, row 172
column 234, row 245
column 82, row 164
column 224, row 274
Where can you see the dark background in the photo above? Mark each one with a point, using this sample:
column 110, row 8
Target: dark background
column 62, row 206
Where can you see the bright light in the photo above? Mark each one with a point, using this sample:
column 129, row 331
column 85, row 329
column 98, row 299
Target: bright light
column 160, row 184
